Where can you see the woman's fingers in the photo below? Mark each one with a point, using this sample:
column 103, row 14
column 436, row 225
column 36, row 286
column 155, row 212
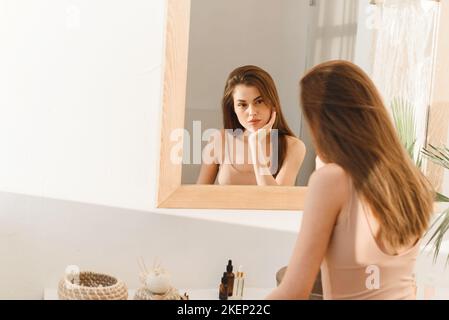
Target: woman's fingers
column 270, row 123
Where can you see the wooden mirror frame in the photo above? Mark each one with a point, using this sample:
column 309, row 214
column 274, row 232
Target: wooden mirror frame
column 173, row 194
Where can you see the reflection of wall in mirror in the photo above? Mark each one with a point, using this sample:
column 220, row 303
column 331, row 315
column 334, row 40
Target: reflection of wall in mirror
column 337, row 30
column 232, row 33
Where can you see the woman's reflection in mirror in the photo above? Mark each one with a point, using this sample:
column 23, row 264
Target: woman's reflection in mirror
column 255, row 146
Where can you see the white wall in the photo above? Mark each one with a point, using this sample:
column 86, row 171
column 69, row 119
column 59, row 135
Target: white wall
column 441, row 93
column 445, row 183
column 80, row 99
column 80, row 86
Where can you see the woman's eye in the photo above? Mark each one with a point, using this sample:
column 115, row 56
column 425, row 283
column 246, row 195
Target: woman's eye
column 259, row 101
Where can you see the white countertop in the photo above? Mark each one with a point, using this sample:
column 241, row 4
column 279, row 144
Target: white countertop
column 197, row 294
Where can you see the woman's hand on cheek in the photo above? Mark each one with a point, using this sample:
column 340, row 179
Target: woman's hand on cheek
column 257, row 141
column 270, row 123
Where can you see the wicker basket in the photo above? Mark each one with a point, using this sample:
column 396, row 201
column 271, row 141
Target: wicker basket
column 92, row 286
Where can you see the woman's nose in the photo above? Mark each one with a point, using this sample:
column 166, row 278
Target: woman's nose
column 252, row 110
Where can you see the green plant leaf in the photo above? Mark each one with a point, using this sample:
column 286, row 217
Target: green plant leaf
column 404, row 120
column 439, row 233
column 441, row 198
column 439, row 156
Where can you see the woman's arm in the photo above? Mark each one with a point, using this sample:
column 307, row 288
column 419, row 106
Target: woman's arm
column 325, row 197
column 296, row 151
column 208, row 174
column 211, row 159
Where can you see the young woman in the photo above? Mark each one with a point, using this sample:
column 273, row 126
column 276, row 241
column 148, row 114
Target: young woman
column 367, row 207
column 246, row 152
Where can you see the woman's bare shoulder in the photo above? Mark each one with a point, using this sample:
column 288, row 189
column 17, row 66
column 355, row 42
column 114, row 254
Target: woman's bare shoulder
column 296, row 144
column 331, row 177
column 329, row 185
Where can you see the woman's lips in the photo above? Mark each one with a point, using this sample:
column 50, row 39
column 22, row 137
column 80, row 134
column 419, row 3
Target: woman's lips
column 253, row 121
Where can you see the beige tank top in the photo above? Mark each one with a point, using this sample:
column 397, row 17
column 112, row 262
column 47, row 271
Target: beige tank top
column 230, row 173
column 355, row 267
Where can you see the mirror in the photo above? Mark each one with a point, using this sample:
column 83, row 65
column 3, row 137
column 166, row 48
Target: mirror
column 207, row 40
column 277, row 36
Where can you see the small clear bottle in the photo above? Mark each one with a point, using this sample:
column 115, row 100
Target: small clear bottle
column 242, row 283
column 239, row 284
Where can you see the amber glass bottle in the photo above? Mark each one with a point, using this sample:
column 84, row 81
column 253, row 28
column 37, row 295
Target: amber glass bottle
column 223, row 292
column 230, row 276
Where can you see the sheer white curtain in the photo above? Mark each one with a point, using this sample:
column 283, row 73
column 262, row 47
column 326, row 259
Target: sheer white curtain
column 404, row 51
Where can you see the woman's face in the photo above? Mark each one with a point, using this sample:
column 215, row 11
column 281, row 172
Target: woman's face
column 251, row 110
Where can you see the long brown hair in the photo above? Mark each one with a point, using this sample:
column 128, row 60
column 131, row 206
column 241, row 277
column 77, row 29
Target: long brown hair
column 351, row 127
column 256, row 77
